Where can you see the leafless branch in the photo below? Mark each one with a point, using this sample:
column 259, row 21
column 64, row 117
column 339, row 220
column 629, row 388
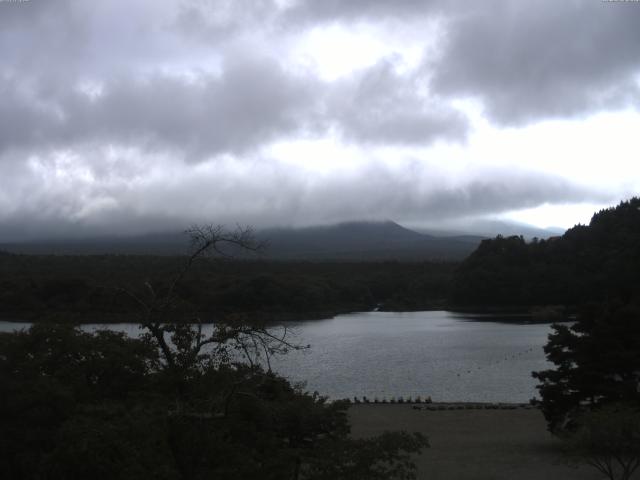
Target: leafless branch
column 186, row 343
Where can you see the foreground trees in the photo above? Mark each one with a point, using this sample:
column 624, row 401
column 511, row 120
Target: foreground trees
column 102, row 405
column 598, row 262
column 592, row 398
column 597, row 362
column 176, row 403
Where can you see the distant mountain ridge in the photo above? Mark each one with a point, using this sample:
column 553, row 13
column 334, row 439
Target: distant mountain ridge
column 344, row 241
column 349, row 241
column 363, row 241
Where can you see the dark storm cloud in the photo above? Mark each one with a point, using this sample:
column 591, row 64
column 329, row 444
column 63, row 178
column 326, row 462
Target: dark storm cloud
column 161, row 196
column 543, row 59
column 237, row 101
column 195, row 80
column 421, row 193
column 250, row 103
column 382, row 107
column 526, row 61
column 52, row 48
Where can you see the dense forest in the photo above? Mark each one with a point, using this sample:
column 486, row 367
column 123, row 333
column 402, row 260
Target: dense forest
column 91, row 288
column 590, row 263
column 593, row 391
column 598, row 262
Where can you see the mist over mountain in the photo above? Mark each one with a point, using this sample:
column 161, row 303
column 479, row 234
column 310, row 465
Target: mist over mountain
column 344, row 241
column 492, row 228
column 364, row 241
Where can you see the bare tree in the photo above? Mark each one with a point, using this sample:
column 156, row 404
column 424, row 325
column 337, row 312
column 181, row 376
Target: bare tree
column 183, row 344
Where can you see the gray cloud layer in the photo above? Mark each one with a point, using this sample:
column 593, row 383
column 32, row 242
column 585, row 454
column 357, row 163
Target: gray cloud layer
column 196, row 81
column 380, row 106
column 206, row 116
column 145, row 199
column 252, row 102
column 526, row 61
column 544, row 59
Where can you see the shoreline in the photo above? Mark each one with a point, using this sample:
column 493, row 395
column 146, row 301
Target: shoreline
column 448, row 406
column 524, row 316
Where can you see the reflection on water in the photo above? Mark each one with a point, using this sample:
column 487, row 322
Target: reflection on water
column 445, row 355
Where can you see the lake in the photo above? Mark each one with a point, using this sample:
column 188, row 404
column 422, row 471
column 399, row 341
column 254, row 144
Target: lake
column 448, row 356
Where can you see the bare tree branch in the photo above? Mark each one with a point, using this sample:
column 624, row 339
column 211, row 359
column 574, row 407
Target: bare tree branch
column 184, row 345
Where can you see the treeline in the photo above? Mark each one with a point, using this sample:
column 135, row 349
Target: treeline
column 97, row 288
column 594, row 263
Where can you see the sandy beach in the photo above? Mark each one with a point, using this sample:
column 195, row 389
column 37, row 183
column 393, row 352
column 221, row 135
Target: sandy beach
column 475, row 444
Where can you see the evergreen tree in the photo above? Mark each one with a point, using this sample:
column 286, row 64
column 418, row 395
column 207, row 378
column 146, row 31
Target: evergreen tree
column 597, row 361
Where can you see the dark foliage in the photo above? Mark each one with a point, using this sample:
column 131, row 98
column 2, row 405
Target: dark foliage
column 76, row 405
column 89, row 288
column 597, row 362
column 599, row 262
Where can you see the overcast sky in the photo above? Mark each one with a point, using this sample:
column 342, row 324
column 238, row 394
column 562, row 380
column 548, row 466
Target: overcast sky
column 128, row 116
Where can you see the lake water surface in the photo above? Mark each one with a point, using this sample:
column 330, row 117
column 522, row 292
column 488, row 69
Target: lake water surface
column 448, row 356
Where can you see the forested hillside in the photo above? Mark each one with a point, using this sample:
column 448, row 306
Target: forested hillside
column 90, row 288
column 598, row 262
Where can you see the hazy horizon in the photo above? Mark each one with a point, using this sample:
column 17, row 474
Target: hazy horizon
column 482, row 228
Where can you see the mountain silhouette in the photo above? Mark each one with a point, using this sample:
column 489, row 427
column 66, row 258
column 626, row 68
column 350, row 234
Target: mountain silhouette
column 364, row 241
column 344, row 241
